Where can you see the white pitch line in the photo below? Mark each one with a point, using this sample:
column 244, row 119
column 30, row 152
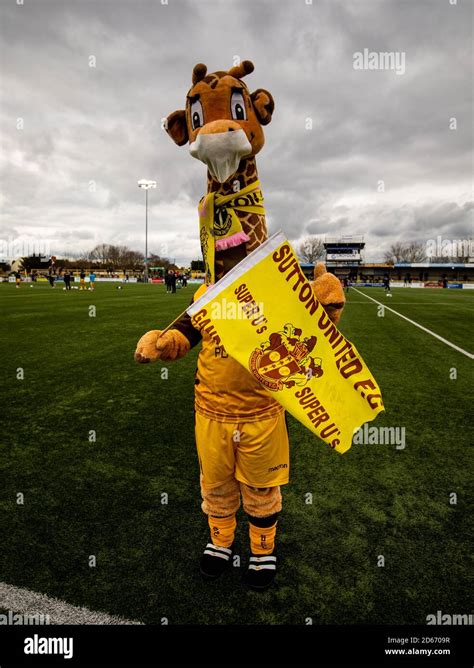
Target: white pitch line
column 425, row 329
column 25, row 602
column 354, row 301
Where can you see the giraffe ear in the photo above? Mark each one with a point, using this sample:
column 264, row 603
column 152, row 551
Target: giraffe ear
column 177, row 127
column 263, row 104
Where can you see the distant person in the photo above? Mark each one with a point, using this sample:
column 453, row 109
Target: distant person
column 445, row 281
column 67, row 280
column 168, row 281
column 345, row 284
column 386, row 285
column 406, row 279
column 17, row 279
column 184, row 280
column 173, row 282
column 126, row 278
column 92, row 280
column 82, row 280
column 51, row 279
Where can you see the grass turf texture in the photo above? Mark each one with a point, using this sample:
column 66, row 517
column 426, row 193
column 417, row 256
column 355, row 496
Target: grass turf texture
column 104, row 498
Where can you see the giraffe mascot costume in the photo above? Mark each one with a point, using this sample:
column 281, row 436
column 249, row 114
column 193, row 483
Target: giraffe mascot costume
column 241, row 434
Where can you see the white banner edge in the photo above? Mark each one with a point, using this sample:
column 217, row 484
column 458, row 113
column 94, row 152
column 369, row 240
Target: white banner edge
column 268, row 246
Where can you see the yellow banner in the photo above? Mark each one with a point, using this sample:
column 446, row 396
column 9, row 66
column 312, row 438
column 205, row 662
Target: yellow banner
column 265, row 314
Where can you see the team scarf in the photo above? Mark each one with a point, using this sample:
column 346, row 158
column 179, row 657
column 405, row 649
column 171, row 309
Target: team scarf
column 219, row 224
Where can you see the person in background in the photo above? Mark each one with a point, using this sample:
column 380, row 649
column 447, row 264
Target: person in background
column 345, row 283
column 173, row 282
column 82, row 282
column 51, row 279
column 386, row 283
column 92, row 280
column 67, row 279
column 17, row 279
column 168, row 281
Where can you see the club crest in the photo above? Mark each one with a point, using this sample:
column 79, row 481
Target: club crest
column 285, row 360
column 222, row 221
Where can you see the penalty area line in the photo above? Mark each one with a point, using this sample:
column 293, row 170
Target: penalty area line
column 412, row 322
column 28, row 603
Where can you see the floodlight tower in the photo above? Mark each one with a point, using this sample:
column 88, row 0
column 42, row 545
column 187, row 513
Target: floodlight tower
column 146, row 184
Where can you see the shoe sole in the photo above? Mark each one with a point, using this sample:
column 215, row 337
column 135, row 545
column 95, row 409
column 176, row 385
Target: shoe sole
column 208, row 577
column 259, row 589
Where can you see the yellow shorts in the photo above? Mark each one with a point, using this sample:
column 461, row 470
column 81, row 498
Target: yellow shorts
column 255, row 453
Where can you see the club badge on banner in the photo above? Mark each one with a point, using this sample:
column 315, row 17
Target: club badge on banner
column 266, row 316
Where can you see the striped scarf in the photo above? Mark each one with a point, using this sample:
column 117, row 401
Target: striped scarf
column 219, row 224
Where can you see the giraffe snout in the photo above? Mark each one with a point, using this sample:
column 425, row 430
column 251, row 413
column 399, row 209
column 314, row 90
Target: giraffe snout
column 222, row 125
column 221, row 145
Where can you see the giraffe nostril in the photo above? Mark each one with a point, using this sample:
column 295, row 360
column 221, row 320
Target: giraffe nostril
column 230, row 129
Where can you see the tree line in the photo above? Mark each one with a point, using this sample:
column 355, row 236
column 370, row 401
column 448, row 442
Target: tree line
column 108, row 257
column 113, row 258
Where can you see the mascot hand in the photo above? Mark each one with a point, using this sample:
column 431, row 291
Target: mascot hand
column 171, row 346
column 328, row 291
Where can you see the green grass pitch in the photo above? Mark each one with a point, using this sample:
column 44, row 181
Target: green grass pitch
column 104, row 498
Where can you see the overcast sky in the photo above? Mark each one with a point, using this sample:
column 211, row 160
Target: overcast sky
column 98, row 128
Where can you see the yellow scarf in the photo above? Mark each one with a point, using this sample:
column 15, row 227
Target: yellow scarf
column 219, row 225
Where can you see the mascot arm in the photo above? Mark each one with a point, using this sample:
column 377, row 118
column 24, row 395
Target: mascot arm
column 173, row 345
column 328, row 291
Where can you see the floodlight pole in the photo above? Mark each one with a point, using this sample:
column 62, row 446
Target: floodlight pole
column 146, row 185
column 146, row 235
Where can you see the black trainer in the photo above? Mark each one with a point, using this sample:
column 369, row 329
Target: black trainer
column 261, row 571
column 215, row 560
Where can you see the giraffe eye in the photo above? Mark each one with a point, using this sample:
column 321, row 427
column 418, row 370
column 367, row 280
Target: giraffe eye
column 237, row 106
column 197, row 115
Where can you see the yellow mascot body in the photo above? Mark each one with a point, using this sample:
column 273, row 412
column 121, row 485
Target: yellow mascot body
column 241, row 434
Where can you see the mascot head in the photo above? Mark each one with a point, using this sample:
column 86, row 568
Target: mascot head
column 222, row 121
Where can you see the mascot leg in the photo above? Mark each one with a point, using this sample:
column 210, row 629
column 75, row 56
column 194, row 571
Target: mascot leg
column 220, row 504
column 262, row 506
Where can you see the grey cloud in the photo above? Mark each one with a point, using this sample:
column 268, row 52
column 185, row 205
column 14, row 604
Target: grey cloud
column 102, row 124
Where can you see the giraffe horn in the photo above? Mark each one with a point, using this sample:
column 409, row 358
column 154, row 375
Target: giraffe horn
column 199, row 72
column 239, row 71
